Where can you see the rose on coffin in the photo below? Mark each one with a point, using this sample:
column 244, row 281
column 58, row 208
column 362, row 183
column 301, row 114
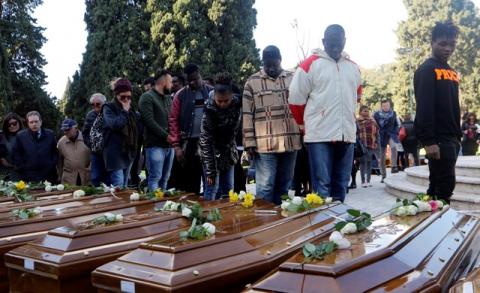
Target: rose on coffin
column 422, row 203
column 298, row 204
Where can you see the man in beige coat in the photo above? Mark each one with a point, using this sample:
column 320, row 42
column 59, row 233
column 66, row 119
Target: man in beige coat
column 74, row 161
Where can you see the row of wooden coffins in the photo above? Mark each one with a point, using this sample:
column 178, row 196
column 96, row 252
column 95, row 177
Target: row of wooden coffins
column 127, row 242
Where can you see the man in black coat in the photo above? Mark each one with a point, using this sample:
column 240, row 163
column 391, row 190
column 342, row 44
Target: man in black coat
column 35, row 151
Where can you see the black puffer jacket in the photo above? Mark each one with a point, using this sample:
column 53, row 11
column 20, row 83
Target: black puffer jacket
column 218, row 149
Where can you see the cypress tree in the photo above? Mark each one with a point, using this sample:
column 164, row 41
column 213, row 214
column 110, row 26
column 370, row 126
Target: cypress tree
column 414, row 34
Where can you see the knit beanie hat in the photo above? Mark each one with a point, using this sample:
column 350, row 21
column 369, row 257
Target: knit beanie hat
column 122, row 85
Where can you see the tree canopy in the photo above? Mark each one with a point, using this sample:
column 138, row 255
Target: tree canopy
column 21, row 63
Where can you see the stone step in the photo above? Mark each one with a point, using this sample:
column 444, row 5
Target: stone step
column 468, row 166
column 398, row 185
column 419, row 175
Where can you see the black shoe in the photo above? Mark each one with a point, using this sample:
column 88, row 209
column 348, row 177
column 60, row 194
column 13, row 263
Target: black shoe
column 352, row 186
column 394, row 170
column 382, row 181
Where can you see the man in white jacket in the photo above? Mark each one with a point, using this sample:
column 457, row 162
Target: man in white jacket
column 323, row 98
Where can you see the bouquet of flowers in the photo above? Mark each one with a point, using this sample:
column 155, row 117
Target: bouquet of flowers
column 108, row 219
column 422, row 203
column 19, row 190
column 246, row 198
column 299, row 204
column 26, row 213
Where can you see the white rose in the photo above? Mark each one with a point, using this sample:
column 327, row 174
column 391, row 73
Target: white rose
column 209, row 227
column 142, row 177
column 328, row 200
column 401, row 211
column 48, row 188
column 423, row 206
column 285, row 205
column 175, row 206
column 60, row 187
column 78, row 193
column 134, row 196
column 297, row 200
column 411, row 210
column 335, row 236
column 47, row 183
column 241, row 195
column 105, row 187
column 440, row 204
column 343, row 243
column 119, row 218
column 349, row 228
column 167, row 205
column 186, row 212
column 37, row 211
column 110, row 217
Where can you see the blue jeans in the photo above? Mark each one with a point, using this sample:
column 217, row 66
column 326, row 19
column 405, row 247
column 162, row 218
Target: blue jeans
column 159, row 163
column 223, row 184
column 119, row 178
column 98, row 173
column 274, row 175
column 330, row 168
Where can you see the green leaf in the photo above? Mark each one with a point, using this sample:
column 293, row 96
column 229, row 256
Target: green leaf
column 339, row 226
column 284, row 197
column 354, row 213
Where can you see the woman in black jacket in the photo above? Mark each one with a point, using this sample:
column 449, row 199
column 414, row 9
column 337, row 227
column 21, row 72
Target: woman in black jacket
column 121, row 129
column 470, row 135
column 220, row 124
column 12, row 124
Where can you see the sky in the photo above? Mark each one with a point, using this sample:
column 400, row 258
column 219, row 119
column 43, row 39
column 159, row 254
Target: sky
column 369, row 24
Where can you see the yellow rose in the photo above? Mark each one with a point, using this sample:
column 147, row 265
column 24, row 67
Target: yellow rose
column 20, row 185
column 159, row 194
column 426, row 198
column 233, row 196
column 313, row 198
column 248, row 202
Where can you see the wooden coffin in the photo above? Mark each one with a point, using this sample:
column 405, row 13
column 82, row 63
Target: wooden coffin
column 39, row 195
column 424, row 253
column 54, row 197
column 245, row 246
column 15, row 232
column 63, row 260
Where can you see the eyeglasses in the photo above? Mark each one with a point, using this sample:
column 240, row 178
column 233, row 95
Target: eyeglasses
column 96, row 104
column 125, row 97
column 12, row 124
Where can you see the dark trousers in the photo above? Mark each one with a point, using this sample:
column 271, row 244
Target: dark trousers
column 301, row 177
column 442, row 172
column 240, row 178
column 188, row 177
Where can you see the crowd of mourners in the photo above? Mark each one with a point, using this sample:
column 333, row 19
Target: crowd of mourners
column 300, row 130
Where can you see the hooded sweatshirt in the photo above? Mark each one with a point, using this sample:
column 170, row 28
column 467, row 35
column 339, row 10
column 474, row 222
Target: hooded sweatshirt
column 323, row 97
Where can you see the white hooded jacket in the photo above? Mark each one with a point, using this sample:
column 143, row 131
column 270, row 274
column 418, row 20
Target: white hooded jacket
column 323, row 96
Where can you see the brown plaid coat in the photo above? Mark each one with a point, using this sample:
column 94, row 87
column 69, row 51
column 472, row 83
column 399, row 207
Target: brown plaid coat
column 268, row 124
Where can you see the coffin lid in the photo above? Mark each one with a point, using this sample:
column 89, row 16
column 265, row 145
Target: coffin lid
column 424, row 254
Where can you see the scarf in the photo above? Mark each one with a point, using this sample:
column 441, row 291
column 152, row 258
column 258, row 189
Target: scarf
column 385, row 117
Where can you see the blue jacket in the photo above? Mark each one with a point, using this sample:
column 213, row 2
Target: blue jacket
column 36, row 158
column 388, row 130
